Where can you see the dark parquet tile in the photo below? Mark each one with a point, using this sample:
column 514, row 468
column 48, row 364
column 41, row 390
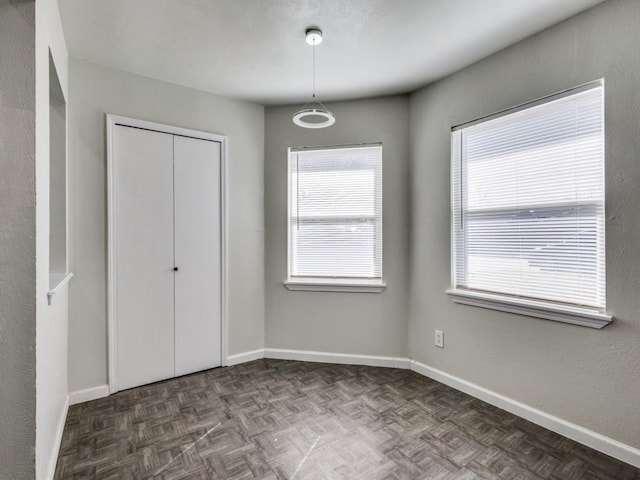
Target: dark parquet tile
column 275, row 420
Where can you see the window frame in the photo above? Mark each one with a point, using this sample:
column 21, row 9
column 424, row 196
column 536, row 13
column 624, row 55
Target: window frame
column 549, row 310
column 333, row 284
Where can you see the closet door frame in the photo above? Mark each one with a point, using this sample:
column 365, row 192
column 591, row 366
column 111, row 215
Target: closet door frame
column 112, row 122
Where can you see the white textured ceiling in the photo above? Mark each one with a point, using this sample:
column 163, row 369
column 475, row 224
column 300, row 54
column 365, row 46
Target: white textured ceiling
column 255, row 49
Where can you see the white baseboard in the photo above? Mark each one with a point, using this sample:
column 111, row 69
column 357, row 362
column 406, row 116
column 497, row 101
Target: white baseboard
column 57, row 441
column 81, row 396
column 567, row 429
column 340, row 358
column 245, row 357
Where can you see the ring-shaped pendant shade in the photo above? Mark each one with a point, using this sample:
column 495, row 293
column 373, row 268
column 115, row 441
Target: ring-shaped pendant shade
column 301, row 118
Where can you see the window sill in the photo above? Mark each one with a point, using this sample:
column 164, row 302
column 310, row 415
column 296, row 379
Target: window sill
column 585, row 317
column 57, row 283
column 335, row 286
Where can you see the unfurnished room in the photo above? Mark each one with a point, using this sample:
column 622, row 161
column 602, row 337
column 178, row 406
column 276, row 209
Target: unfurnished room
column 319, row 239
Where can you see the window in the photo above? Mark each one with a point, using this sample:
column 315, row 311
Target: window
column 335, row 219
column 528, row 231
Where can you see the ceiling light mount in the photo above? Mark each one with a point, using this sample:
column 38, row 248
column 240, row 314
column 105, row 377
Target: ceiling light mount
column 313, row 36
column 314, row 114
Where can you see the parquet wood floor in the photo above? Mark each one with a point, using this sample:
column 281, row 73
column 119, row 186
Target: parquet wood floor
column 276, row 419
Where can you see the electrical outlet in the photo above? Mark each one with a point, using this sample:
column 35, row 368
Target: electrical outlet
column 439, row 338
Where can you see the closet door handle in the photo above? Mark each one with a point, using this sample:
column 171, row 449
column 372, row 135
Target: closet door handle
column 175, row 269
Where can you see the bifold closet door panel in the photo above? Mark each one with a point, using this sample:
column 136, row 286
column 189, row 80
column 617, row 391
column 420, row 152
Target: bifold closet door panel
column 143, row 255
column 197, row 254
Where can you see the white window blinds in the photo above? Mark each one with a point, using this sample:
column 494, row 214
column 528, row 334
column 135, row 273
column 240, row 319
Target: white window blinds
column 528, row 202
column 335, row 213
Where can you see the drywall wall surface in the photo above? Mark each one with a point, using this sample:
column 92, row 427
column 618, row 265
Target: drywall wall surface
column 356, row 323
column 52, row 320
column 52, row 383
column 57, row 176
column 95, row 90
column 17, row 240
column 586, row 376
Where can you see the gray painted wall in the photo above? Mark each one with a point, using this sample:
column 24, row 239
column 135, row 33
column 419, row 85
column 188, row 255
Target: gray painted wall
column 57, row 174
column 588, row 377
column 357, row 323
column 51, row 320
column 96, row 90
column 17, row 240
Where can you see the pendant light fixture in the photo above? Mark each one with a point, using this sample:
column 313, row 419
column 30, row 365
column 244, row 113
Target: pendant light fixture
column 314, row 114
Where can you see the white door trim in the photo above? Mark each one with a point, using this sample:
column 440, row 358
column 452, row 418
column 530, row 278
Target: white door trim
column 112, row 121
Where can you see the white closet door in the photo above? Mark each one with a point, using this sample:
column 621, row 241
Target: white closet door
column 197, row 254
column 143, row 255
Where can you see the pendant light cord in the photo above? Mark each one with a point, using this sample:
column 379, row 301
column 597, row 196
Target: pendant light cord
column 314, row 70
column 314, row 100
